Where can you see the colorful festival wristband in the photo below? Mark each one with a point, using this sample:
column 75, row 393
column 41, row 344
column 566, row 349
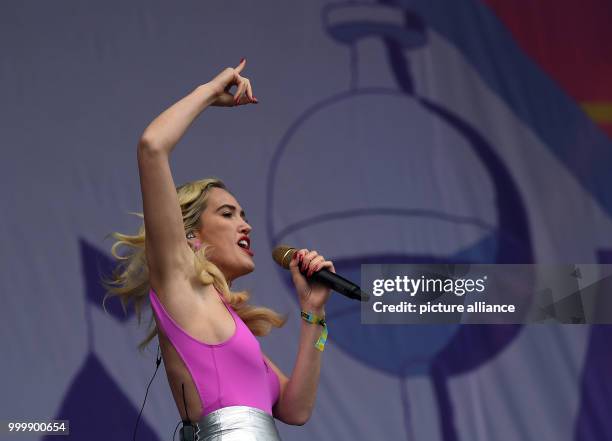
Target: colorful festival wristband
column 315, row 319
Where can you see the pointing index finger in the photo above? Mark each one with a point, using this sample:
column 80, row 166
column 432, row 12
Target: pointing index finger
column 240, row 65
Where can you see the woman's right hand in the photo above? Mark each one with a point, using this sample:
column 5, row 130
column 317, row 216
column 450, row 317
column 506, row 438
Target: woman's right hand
column 228, row 78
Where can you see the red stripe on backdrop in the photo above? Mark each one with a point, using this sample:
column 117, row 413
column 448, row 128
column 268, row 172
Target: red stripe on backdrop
column 572, row 42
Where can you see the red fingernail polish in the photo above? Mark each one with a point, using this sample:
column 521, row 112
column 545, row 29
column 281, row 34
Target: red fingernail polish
column 242, row 59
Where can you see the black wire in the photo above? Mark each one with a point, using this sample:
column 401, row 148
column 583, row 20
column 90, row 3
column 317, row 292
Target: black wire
column 187, row 422
column 174, row 434
column 157, row 363
column 185, row 403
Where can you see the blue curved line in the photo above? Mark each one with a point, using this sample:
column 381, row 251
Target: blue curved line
column 363, row 212
column 282, row 145
column 538, row 101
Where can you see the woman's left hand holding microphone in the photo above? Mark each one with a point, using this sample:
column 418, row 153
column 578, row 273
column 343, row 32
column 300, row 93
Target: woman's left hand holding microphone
column 312, row 296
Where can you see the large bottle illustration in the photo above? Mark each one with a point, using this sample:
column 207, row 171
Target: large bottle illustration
column 385, row 176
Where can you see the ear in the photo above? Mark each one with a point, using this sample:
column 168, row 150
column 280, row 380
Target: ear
column 194, row 241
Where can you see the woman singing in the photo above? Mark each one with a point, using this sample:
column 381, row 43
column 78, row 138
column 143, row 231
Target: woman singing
column 196, row 244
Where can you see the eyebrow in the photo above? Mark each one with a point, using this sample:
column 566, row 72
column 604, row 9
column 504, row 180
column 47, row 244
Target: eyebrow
column 232, row 208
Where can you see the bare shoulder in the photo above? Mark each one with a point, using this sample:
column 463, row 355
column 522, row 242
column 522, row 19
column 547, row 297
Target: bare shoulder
column 182, row 269
column 180, row 288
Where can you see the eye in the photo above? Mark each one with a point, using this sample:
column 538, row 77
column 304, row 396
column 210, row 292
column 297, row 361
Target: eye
column 227, row 214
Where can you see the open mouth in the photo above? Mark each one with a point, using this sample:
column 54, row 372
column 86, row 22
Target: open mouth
column 245, row 244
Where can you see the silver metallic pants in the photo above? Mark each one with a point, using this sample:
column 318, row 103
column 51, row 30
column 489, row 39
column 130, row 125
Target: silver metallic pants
column 237, row 423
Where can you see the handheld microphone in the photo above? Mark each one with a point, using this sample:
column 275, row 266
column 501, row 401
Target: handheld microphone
column 283, row 254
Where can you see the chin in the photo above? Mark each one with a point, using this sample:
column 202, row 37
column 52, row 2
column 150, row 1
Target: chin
column 243, row 271
column 249, row 269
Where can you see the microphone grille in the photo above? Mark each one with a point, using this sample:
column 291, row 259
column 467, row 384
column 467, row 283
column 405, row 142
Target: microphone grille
column 282, row 255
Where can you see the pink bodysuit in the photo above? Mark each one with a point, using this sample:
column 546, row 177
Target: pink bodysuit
column 232, row 373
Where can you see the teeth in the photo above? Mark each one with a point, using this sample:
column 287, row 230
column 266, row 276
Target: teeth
column 243, row 243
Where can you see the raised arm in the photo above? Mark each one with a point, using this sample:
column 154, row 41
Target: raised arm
column 167, row 250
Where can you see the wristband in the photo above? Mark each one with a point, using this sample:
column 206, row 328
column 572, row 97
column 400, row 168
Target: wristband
column 315, row 319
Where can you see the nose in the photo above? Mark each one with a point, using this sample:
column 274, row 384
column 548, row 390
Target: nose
column 245, row 228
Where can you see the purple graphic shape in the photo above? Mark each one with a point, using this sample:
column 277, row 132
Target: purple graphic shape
column 97, row 408
column 593, row 422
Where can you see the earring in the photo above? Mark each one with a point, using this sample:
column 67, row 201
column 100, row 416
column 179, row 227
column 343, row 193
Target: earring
column 190, row 235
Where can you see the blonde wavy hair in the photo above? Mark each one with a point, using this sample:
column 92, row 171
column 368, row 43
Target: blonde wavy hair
column 130, row 278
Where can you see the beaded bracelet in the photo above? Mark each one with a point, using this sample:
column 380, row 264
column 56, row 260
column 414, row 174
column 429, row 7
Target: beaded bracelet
column 315, row 319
